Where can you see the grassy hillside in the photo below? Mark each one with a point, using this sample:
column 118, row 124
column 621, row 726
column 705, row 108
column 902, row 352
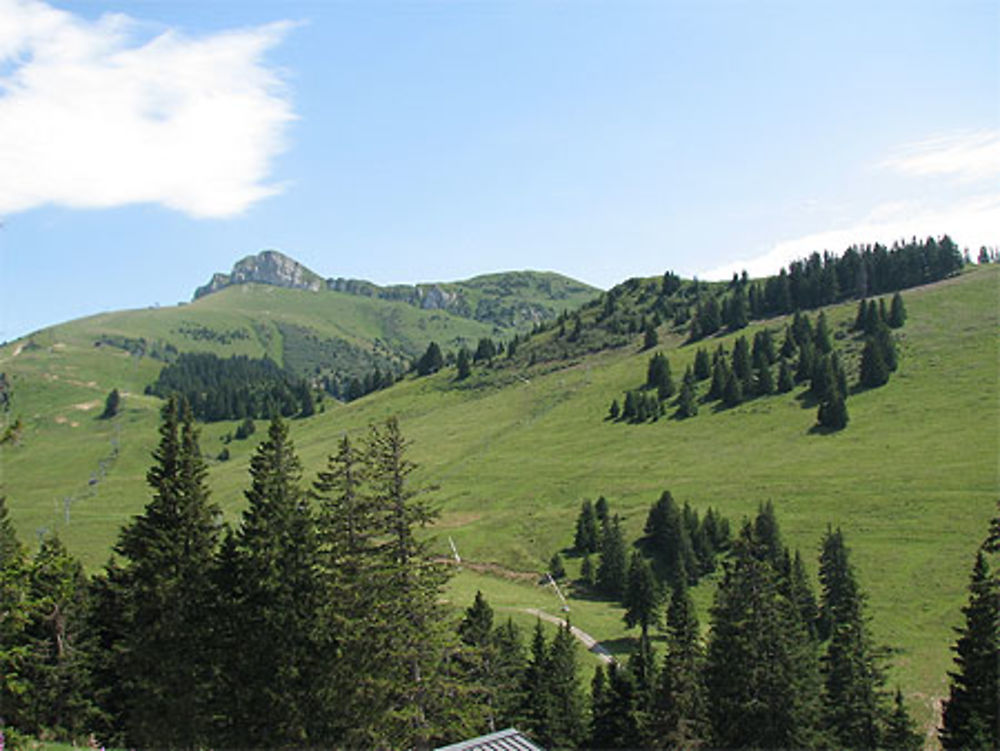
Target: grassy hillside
column 912, row 480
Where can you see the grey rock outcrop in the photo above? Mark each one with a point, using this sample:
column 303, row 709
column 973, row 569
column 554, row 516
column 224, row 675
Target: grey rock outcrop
column 267, row 267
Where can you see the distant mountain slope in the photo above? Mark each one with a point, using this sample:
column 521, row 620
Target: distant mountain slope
column 515, row 299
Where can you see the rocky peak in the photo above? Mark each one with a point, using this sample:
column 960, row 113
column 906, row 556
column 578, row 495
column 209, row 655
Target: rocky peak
column 267, row 267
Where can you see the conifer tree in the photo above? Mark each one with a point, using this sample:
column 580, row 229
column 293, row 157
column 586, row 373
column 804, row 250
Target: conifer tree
column 742, row 365
column 854, row 699
column 650, row 337
column 348, row 556
column 614, row 411
column 668, row 542
column 612, row 571
column 641, row 600
column 874, row 370
column 897, row 312
column 687, row 405
column 732, row 394
column 274, row 611
column 761, row 673
column 111, row 405
column 764, row 382
column 59, row 691
column 615, row 713
column 586, row 538
column 680, row 714
column 167, row 551
column 821, row 338
column 566, row 725
column 431, row 361
column 970, row 718
column 900, row 733
column 832, row 412
column 702, row 365
column 462, row 365
column 421, row 696
column 720, row 375
column 786, row 382
column 536, row 696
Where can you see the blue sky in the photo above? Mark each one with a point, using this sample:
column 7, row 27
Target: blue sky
column 145, row 145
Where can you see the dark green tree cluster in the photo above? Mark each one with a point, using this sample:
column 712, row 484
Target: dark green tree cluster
column 680, row 544
column 348, row 389
column 767, row 678
column 46, row 651
column 878, row 357
column 552, row 705
column 971, row 716
column 316, row 622
column 233, row 388
column 431, row 361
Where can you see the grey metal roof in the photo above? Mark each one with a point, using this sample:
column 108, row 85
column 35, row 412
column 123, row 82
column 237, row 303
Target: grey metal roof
column 503, row 740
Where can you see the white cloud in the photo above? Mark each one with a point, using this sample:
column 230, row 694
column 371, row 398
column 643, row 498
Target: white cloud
column 967, row 156
column 971, row 223
column 92, row 115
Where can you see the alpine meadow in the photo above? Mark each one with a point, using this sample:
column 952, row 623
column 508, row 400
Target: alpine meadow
column 383, row 495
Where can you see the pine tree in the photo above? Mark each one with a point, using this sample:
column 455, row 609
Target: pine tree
column 612, row 570
column 761, row 673
column 821, row 338
column 566, row 726
column 586, row 538
column 874, row 370
column 786, row 382
column 614, row 411
column 702, row 365
column 832, row 412
column 650, row 337
column 854, row 699
column 668, row 542
column 431, row 361
column 348, row 557
column 463, row 367
column 680, row 714
column 900, row 733
column 56, row 670
column 970, row 718
column 641, row 600
column 687, row 405
column 764, row 384
column 274, row 611
column 111, row 405
column 167, row 552
column 897, row 312
column 732, row 394
column 422, row 698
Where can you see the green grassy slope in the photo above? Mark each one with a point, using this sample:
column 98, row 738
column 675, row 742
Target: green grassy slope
column 912, row 480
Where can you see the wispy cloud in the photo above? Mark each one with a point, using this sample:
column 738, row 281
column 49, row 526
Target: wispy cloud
column 972, row 223
column 967, row 156
column 96, row 114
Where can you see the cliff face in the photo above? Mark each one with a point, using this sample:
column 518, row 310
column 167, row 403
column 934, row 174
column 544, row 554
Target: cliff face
column 267, row 267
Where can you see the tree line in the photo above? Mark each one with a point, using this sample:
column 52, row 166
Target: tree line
column 233, row 388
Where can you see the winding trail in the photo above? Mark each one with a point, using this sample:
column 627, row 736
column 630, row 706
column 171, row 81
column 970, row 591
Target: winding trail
column 586, row 639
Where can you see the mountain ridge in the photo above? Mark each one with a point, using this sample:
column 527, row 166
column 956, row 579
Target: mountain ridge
column 509, row 299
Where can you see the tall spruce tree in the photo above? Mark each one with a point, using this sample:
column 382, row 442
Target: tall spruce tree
column 586, row 538
column 612, row 571
column 761, row 672
column 680, row 713
column 854, row 699
column 425, row 702
column 971, row 716
column 641, row 600
column 167, row 552
column 274, row 612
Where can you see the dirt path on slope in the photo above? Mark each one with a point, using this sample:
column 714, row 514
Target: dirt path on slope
column 583, row 637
